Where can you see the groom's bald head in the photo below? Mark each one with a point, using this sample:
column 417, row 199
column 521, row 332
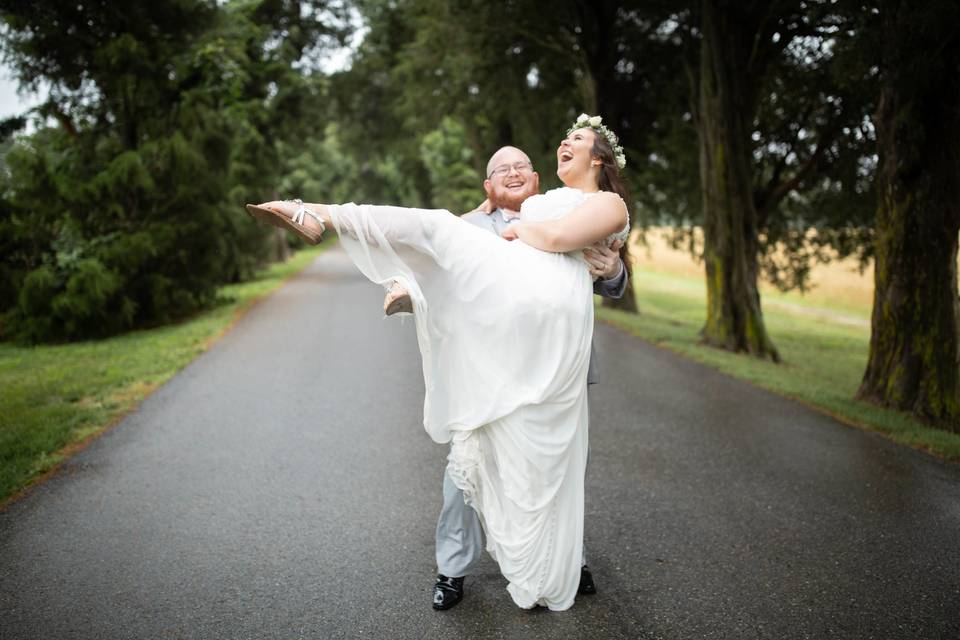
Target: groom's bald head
column 506, row 155
column 510, row 178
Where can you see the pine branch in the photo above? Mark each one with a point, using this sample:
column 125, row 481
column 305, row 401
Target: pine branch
column 775, row 194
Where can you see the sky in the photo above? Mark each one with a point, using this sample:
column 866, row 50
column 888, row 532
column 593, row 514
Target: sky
column 12, row 104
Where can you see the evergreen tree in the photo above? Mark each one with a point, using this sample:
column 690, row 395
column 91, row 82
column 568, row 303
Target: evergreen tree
column 127, row 211
column 454, row 180
column 780, row 147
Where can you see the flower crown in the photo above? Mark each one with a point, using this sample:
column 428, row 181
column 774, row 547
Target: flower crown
column 594, row 122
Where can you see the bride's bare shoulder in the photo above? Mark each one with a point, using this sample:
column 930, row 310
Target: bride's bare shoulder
column 611, row 198
column 611, row 201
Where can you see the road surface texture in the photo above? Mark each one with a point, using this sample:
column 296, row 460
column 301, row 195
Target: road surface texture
column 282, row 486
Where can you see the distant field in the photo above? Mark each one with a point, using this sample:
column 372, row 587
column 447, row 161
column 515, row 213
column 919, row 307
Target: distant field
column 839, row 287
column 823, row 338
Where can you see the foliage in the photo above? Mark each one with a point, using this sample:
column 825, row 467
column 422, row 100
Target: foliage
column 164, row 119
column 127, row 211
column 454, row 181
column 810, row 138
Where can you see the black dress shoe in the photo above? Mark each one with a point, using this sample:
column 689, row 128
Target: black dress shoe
column 587, row 587
column 447, row 592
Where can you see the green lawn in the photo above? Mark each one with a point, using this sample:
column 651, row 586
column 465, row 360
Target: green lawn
column 824, row 351
column 53, row 398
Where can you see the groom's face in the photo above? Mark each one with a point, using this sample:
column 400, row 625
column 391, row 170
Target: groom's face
column 511, row 179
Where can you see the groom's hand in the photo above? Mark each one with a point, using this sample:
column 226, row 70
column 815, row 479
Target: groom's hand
column 486, row 206
column 604, row 261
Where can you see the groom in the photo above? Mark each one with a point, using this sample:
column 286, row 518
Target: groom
column 459, row 544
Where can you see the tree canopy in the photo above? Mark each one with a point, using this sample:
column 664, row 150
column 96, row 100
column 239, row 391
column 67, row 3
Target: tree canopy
column 121, row 204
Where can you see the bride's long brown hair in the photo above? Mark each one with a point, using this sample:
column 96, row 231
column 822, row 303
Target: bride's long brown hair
column 609, row 179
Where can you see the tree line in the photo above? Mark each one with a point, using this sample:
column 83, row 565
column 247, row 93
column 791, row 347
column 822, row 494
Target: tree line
column 789, row 132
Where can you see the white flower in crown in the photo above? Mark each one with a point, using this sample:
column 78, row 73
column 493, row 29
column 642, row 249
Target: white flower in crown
column 596, row 123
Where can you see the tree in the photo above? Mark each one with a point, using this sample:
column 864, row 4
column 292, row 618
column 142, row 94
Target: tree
column 453, row 176
column 780, row 143
column 730, row 67
column 518, row 75
column 127, row 212
column 914, row 362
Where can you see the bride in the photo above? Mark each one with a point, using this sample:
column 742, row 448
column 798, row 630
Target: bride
column 504, row 330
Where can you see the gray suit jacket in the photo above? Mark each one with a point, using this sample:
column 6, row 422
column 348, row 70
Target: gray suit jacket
column 613, row 288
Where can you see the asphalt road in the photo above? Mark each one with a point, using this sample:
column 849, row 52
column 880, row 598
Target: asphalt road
column 282, row 486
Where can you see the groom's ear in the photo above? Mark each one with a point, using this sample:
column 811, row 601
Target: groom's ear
column 487, row 187
column 536, row 181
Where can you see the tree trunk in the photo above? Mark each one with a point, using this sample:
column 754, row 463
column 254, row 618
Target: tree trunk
column 281, row 249
column 734, row 319
column 914, row 362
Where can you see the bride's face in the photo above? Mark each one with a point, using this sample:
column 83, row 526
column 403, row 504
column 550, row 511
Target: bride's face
column 575, row 154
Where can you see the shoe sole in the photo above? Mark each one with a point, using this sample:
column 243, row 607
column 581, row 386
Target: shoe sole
column 402, row 304
column 283, row 222
column 448, row 606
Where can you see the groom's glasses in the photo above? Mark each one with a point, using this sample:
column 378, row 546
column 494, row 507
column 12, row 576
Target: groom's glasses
column 504, row 169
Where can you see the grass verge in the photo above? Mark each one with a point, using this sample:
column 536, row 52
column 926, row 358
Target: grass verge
column 55, row 399
column 824, row 353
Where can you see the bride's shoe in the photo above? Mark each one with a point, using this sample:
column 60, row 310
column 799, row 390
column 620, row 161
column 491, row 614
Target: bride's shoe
column 294, row 223
column 397, row 300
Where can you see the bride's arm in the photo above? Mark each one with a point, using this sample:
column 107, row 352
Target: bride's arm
column 594, row 220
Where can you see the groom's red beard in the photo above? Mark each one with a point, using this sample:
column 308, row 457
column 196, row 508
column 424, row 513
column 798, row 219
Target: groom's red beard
column 509, row 202
column 513, row 204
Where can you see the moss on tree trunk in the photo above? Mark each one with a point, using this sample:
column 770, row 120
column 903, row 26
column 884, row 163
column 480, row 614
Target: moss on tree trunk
column 734, row 318
column 914, row 362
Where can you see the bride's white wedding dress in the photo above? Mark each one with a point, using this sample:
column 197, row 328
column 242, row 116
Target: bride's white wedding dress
column 504, row 330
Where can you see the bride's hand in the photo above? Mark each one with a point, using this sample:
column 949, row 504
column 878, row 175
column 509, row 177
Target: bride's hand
column 485, row 206
column 510, row 233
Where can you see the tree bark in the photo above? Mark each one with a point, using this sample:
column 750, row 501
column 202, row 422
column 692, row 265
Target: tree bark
column 914, row 362
column 726, row 104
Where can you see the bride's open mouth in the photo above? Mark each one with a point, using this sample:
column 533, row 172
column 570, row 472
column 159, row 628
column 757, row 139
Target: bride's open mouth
column 565, row 156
